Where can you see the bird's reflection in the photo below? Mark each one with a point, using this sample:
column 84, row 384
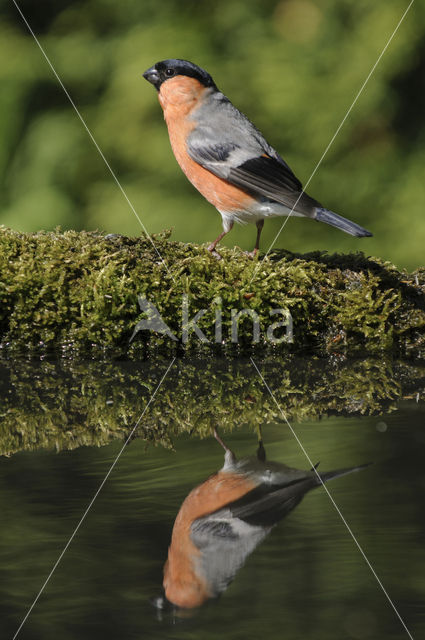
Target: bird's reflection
column 222, row 521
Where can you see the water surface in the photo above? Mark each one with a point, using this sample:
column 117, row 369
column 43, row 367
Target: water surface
column 307, row 579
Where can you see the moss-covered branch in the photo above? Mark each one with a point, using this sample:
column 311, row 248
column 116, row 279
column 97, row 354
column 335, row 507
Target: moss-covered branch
column 77, row 293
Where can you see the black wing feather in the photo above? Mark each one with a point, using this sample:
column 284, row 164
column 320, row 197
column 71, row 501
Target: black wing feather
column 272, row 171
column 265, row 175
column 215, row 153
column 206, row 152
column 268, row 177
column 266, row 506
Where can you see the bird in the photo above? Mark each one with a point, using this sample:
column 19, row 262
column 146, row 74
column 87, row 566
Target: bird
column 227, row 158
column 222, row 521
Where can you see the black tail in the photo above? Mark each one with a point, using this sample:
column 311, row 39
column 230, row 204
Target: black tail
column 329, row 475
column 324, row 215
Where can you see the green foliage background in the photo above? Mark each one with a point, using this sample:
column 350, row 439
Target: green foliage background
column 293, row 66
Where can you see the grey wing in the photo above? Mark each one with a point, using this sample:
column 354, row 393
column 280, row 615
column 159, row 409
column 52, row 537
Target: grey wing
column 226, row 143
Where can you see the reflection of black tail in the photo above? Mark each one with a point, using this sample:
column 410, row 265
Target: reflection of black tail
column 324, row 215
column 265, row 505
column 329, row 475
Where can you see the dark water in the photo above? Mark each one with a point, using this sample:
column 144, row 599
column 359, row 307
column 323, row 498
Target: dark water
column 307, row 579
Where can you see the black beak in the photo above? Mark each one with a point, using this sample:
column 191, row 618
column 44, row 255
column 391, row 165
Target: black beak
column 152, row 76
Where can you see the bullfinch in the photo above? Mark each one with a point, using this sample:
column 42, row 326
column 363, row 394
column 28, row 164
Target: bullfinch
column 227, row 158
column 222, row 521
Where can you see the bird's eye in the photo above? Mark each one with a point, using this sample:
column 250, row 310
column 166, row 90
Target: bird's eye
column 169, row 72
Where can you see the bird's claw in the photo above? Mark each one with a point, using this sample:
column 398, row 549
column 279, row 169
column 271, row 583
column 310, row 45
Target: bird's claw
column 214, row 253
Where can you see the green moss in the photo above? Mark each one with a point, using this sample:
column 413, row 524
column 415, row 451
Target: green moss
column 76, row 293
column 67, row 404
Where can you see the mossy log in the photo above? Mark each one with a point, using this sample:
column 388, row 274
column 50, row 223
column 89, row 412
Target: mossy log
column 76, row 293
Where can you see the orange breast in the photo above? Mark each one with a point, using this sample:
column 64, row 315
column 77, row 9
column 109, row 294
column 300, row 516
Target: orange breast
column 178, row 97
column 184, row 583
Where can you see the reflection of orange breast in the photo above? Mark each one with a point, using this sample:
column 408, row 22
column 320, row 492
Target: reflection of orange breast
column 184, row 583
column 178, row 97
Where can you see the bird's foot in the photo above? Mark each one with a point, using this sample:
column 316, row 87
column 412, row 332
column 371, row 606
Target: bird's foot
column 251, row 254
column 213, row 252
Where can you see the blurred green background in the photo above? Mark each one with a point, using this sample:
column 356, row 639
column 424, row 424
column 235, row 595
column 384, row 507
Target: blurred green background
column 293, row 66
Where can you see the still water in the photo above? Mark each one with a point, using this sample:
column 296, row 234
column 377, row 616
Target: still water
column 64, row 425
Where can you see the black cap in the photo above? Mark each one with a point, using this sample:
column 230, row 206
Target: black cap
column 167, row 69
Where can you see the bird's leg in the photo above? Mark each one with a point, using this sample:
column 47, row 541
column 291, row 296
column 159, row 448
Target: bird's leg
column 220, row 441
column 261, row 452
column 213, row 245
column 253, row 253
column 229, row 456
